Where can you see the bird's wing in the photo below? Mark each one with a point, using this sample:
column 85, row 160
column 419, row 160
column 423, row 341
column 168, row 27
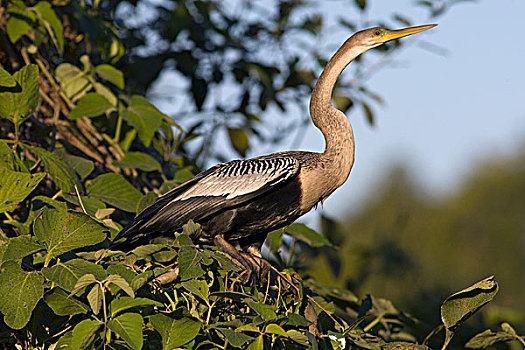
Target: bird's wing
column 218, row 188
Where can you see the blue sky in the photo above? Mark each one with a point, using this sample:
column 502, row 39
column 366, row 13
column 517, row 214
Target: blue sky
column 443, row 114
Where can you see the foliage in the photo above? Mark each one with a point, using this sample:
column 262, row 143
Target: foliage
column 81, row 152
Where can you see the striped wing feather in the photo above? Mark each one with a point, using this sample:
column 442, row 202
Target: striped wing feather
column 223, row 186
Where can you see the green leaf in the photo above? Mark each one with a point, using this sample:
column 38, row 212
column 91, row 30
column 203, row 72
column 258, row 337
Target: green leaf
column 298, row 337
column 257, row 344
column 148, row 199
column 20, row 291
column 239, row 140
column 369, row 113
column 198, row 288
column 305, row 234
column 20, row 247
column 91, row 205
column 114, row 190
column 94, row 297
column 49, row 16
column 111, row 74
column 401, row 345
column 72, row 80
column 62, row 174
column 488, row 338
column 7, row 160
column 138, row 160
column 19, row 104
column 15, row 187
column 236, row 339
column 275, row 329
column 189, row 263
column 121, row 283
column 125, row 303
column 144, row 117
column 63, row 304
column 83, row 333
column 267, row 312
column 62, row 231
column 175, row 333
column 274, row 240
column 461, row 305
column 19, row 21
column 129, row 328
column 6, row 80
column 67, row 274
column 91, row 105
column 84, row 281
column 343, row 103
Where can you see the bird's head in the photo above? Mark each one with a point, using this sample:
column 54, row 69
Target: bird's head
column 372, row 37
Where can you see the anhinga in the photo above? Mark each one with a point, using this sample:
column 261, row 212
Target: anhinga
column 243, row 200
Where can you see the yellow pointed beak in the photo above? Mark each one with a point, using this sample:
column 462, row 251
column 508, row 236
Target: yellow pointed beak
column 399, row 33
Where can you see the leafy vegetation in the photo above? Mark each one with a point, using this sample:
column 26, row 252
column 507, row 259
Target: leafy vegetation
column 82, row 151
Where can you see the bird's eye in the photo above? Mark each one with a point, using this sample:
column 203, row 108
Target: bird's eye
column 377, row 33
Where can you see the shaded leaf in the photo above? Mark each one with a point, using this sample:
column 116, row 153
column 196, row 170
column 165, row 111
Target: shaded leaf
column 111, row 74
column 62, row 231
column 19, row 21
column 84, row 281
column 189, row 263
column 49, row 16
column 114, row 190
column 20, row 103
column 63, row 175
column 94, row 298
column 275, row 329
column 236, row 339
column 267, row 312
column 121, row 283
column 15, row 187
column 257, row 344
column 72, row 80
column 487, row 338
column 83, row 333
column 20, row 247
column 125, row 303
column 199, row 288
column 305, row 234
column 90, row 105
column 144, row 117
column 138, row 160
column 239, row 140
column 63, row 304
column 6, row 79
column 174, row 332
column 67, row 274
column 20, row 291
column 129, row 327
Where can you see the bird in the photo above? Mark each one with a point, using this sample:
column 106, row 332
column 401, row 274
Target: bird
column 242, row 200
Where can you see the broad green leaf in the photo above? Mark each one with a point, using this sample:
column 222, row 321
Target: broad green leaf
column 121, row 283
column 62, row 232
column 189, row 263
column 129, row 327
column 43, row 8
column 83, row 333
column 274, row 240
column 6, row 80
column 148, row 199
column 236, row 296
column 305, row 234
column 198, row 288
column 94, row 297
column 125, row 272
column 21, row 102
column 90, row 204
column 19, row 20
column 298, row 337
column 111, row 74
column 83, row 282
column 114, row 190
column 125, row 303
column 138, row 160
column 488, row 338
column 236, row 339
column 267, row 312
column 257, row 344
column 90, row 105
column 67, row 274
column 461, row 305
column 7, row 159
column 175, row 333
column 239, row 140
column 15, row 187
column 275, row 329
column 20, row 291
column 72, row 80
column 400, row 345
column 63, row 304
column 144, row 117
column 63, row 175
column 20, row 247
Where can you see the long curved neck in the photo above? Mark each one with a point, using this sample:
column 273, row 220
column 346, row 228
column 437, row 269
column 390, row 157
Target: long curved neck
column 332, row 122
